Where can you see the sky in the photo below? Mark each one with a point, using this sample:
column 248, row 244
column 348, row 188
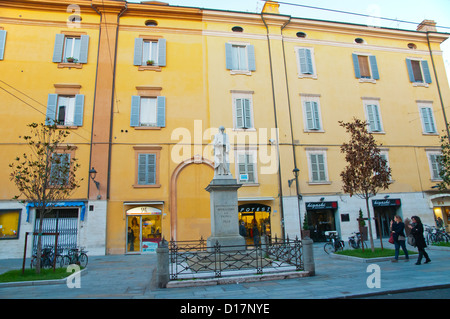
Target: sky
column 400, row 10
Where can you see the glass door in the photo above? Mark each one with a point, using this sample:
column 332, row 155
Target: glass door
column 134, row 234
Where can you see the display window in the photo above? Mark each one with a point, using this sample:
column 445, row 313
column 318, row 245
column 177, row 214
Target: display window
column 143, row 230
column 442, row 217
column 254, row 221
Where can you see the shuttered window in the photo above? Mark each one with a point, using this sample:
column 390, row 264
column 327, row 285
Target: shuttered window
column 365, row 66
column 428, row 125
column 65, row 110
column 418, row 71
column 240, row 57
column 2, row 43
column 71, row 47
column 147, row 169
column 147, row 111
column 149, row 50
column 317, row 167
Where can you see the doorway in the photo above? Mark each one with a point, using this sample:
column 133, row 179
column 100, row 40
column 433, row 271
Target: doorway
column 143, row 230
column 383, row 217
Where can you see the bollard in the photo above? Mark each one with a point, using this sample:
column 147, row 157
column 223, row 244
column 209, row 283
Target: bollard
column 162, row 267
column 308, row 256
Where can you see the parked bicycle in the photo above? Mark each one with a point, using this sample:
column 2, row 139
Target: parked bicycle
column 355, row 241
column 47, row 258
column 334, row 244
column 75, row 256
column 435, row 235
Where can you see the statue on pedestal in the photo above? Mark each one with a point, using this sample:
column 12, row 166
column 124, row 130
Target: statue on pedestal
column 221, row 150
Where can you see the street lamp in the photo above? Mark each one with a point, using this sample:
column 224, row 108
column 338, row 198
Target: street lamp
column 92, row 175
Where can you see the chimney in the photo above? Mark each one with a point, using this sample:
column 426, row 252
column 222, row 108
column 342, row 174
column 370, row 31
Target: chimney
column 271, row 7
column 427, row 25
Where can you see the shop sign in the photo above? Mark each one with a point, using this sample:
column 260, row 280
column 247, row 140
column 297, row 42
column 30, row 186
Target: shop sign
column 386, row 202
column 321, row 205
column 254, row 207
column 144, row 210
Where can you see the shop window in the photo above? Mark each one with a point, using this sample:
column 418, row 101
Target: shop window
column 9, row 224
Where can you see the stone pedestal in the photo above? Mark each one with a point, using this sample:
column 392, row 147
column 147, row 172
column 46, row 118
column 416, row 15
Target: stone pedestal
column 224, row 213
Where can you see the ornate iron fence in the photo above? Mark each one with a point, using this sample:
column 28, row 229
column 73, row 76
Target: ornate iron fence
column 194, row 259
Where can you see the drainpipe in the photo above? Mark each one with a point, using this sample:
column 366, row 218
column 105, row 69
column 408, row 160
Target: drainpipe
column 296, row 170
column 112, row 99
column 280, row 187
column 438, row 87
column 95, row 93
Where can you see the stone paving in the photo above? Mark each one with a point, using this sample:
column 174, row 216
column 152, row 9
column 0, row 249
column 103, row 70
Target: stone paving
column 133, row 277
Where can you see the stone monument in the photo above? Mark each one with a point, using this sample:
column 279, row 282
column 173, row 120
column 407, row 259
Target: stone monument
column 223, row 198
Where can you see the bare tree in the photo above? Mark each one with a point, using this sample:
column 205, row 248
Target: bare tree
column 366, row 171
column 46, row 174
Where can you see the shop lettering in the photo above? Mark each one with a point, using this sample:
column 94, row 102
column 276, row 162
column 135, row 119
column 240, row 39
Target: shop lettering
column 197, row 309
column 316, row 205
column 254, row 209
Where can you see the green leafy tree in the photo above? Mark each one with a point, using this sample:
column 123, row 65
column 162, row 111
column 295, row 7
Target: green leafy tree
column 366, row 171
column 444, row 164
column 45, row 174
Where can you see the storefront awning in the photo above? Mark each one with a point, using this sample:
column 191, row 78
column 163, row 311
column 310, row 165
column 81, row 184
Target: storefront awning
column 82, row 205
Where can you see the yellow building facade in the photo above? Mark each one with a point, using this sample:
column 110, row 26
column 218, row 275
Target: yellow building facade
column 153, row 83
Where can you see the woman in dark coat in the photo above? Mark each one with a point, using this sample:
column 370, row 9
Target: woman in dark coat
column 397, row 228
column 417, row 232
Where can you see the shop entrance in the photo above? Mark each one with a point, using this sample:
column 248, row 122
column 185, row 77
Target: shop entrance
column 442, row 217
column 254, row 217
column 384, row 211
column 321, row 218
column 143, row 229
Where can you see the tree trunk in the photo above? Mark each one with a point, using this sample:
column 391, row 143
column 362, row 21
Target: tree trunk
column 370, row 225
column 39, row 243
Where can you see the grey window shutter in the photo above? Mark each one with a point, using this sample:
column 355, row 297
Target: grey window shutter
column 162, row 52
column 58, row 49
column 2, row 43
column 410, row 70
column 426, row 71
column 135, row 106
column 79, row 106
column 84, row 49
column 51, row 109
column 251, row 57
column 228, row 56
column 374, row 67
column 356, row 66
column 161, row 111
column 138, row 42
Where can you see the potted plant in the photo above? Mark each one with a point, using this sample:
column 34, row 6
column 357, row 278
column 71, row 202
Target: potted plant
column 305, row 228
column 150, row 62
column 71, row 59
column 362, row 225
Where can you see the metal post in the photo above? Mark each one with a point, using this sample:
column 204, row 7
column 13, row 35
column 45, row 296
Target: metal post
column 162, row 267
column 24, row 253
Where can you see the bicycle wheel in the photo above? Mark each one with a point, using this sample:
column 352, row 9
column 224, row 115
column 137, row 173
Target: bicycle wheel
column 83, row 259
column 341, row 245
column 33, row 263
column 329, row 248
column 65, row 261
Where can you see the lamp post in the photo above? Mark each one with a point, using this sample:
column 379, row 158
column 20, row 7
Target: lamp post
column 92, row 175
column 296, row 171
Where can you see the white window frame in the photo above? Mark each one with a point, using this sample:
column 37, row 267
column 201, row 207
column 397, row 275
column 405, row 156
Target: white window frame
column 376, row 103
column 302, row 75
column 371, row 78
column 385, row 153
column 428, row 106
column 241, row 69
column 241, row 95
column 432, row 163
column 74, row 50
column 150, row 48
column 306, row 98
column 150, row 102
column 68, row 101
column 316, row 152
column 422, row 83
column 246, row 152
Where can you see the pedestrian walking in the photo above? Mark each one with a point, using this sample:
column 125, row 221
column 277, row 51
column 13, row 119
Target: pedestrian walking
column 256, row 238
column 398, row 232
column 417, row 232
